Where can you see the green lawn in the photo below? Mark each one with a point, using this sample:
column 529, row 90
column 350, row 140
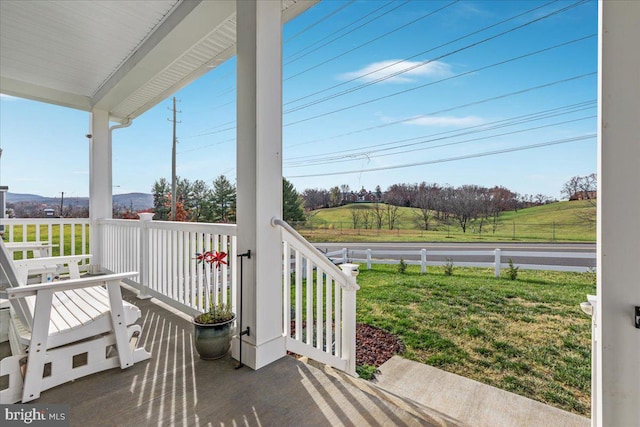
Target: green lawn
column 53, row 237
column 555, row 222
column 526, row 336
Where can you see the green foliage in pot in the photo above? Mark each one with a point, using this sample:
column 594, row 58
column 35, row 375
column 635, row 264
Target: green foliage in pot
column 217, row 314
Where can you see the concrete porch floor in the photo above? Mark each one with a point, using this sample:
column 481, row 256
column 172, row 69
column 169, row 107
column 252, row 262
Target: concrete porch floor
column 175, row 387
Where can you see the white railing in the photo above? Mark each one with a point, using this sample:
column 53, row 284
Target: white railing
column 369, row 256
column 319, row 303
column 67, row 236
column 165, row 255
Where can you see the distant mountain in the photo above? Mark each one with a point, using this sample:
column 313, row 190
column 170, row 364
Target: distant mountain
column 136, row 201
column 15, row 198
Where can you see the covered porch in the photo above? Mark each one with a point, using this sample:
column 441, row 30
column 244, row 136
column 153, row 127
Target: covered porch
column 175, row 387
column 178, row 41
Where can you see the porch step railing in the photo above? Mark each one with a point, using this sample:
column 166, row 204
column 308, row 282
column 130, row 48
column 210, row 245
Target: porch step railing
column 165, row 255
column 319, row 303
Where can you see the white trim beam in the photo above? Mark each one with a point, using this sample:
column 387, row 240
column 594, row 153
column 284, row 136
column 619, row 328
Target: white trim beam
column 44, row 94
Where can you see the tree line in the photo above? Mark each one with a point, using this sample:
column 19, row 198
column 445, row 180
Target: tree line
column 197, row 202
column 464, row 204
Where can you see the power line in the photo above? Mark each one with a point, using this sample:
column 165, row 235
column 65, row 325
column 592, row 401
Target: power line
column 319, row 21
column 418, row 87
column 369, row 155
column 349, row 32
column 452, row 159
column 496, row 64
column 209, row 145
column 421, row 64
column 580, row 76
column 373, row 40
column 566, row 109
column 421, row 53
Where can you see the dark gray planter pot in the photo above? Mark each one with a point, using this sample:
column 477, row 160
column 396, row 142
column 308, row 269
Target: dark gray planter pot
column 213, row 340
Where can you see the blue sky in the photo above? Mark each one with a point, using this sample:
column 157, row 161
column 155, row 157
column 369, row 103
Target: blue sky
column 468, row 92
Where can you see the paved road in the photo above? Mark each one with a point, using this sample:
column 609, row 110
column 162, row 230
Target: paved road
column 528, row 247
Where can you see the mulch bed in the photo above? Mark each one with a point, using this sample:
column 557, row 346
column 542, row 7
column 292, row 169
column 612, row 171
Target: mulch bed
column 374, row 346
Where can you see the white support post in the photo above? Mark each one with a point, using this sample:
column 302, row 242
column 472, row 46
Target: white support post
column 145, row 220
column 368, row 259
column 423, row 260
column 618, row 288
column 349, row 317
column 496, row 262
column 259, row 180
column 100, row 179
column 345, row 254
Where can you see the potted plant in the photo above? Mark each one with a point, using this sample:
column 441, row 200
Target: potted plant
column 213, row 329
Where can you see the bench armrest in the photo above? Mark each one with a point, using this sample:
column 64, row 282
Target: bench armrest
column 65, row 285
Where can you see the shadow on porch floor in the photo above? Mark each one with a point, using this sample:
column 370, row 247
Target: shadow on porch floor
column 175, row 387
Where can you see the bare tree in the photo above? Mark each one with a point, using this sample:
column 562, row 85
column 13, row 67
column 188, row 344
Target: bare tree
column 500, row 199
column 426, row 202
column 367, row 218
column 315, row 198
column 581, row 187
column 378, row 215
column 391, row 215
column 466, row 204
column 335, row 197
column 355, row 217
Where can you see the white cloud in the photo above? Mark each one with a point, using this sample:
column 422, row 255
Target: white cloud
column 384, row 69
column 445, row 121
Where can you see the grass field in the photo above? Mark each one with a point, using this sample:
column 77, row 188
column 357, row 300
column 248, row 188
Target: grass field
column 555, row 222
column 52, row 235
column 526, row 336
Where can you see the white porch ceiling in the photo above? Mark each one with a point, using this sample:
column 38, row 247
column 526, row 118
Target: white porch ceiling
column 116, row 55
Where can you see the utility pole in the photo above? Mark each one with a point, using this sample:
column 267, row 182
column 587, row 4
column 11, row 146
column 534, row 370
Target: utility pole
column 174, row 185
column 61, row 205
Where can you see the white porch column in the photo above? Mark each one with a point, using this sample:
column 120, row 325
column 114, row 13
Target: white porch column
column 618, row 291
column 259, row 177
column 100, row 176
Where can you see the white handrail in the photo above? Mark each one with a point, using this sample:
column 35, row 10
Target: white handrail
column 313, row 253
column 324, row 309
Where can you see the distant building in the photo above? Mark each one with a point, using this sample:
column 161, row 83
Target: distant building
column 361, row 196
column 584, row 195
column 49, row 212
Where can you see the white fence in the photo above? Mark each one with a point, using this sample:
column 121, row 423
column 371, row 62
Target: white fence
column 67, row 236
column 369, row 256
column 319, row 309
column 164, row 253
